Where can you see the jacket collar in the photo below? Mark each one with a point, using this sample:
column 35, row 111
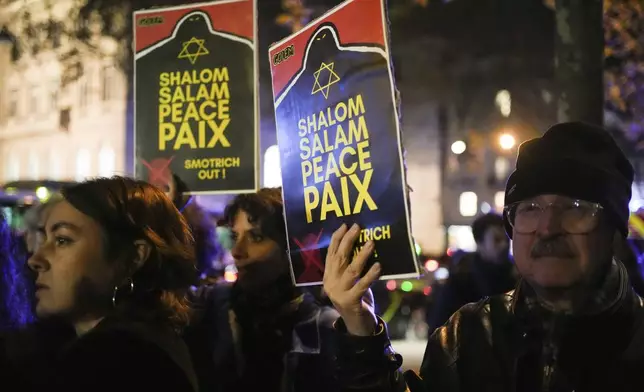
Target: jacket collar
column 607, row 298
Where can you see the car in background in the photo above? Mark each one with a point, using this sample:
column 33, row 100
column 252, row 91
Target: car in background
column 11, row 209
column 17, row 197
column 402, row 304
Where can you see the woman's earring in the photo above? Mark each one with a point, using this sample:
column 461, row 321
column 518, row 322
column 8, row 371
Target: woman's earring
column 117, row 289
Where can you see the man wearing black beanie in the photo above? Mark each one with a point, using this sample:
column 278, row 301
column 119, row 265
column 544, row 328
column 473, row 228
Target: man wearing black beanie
column 573, row 323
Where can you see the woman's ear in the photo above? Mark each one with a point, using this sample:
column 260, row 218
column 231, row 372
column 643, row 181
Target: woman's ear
column 143, row 250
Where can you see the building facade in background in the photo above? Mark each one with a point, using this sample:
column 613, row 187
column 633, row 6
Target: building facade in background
column 482, row 152
column 63, row 108
column 62, row 105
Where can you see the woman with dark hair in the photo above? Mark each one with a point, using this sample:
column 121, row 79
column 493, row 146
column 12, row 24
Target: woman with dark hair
column 115, row 263
column 263, row 334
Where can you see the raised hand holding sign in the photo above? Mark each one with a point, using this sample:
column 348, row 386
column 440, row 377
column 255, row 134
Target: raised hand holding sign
column 344, row 285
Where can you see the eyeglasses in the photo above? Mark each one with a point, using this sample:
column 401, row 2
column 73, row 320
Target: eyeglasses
column 575, row 216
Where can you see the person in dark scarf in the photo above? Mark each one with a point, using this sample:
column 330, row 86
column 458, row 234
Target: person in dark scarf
column 261, row 334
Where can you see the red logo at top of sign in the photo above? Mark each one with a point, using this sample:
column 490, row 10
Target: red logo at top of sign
column 283, row 55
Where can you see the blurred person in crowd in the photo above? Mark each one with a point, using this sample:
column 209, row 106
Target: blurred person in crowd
column 225, row 240
column 15, row 308
column 15, row 305
column 115, row 263
column 627, row 254
column 32, row 220
column 636, row 238
column 574, row 323
column 473, row 276
column 261, row 334
column 31, row 344
column 207, row 249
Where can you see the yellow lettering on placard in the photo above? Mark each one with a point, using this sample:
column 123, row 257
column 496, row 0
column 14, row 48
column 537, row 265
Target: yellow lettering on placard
column 334, row 144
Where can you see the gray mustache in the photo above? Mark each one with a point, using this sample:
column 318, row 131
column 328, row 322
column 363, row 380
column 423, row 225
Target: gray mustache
column 552, row 248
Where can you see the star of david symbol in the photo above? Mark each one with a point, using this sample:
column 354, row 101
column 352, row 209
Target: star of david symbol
column 332, row 79
column 192, row 49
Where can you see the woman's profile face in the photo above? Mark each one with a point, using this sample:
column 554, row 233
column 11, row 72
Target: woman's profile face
column 258, row 258
column 74, row 279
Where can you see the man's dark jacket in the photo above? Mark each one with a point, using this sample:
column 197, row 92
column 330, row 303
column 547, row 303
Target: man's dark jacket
column 506, row 344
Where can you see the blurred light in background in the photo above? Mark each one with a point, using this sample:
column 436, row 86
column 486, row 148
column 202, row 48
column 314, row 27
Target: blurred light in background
column 106, row 162
column 10, row 167
column 83, row 164
column 391, row 285
column 55, row 169
column 431, row 265
column 458, row 147
column 636, row 226
column 406, row 286
column 34, row 166
column 42, row 193
column 224, row 237
column 442, row 273
column 637, row 200
column 460, row 237
column 272, row 170
column 501, row 168
column 503, row 102
column 507, row 141
column 468, row 204
column 230, row 274
column 499, row 201
column 485, row 207
column 419, row 250
column 427, row 290
column 230, row 277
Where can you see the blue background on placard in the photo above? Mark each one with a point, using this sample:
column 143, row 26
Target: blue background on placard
column 364, row 73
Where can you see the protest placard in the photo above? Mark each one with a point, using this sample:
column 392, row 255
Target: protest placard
column 339, row 140
column 196, row 105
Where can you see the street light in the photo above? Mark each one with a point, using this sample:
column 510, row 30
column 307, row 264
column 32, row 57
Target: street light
column 503, row 101
column 42, row 193
column 507, row 141
column 458, row 147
